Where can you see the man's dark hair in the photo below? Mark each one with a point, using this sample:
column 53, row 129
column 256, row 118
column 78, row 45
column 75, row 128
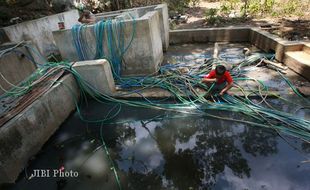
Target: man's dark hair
column 220, row 69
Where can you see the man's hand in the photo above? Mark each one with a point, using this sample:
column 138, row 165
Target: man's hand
column 225, row 90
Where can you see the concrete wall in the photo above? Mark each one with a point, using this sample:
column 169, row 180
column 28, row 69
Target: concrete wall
column 98, row 74
column 39, row 31
column 15, row 67
column 269, row 42
column 164, row 24
column 162, row 10
column 142, row 57
column 261, row 39
column 114, row 14
column 146, row 53
column 229, row 34
column 138, row 12
column 3, row 37
column 24, row 135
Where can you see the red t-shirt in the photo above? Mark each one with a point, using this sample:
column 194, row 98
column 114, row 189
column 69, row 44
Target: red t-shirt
column 226, row 77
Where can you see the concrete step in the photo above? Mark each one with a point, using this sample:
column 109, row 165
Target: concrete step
column 306, row 48
column 298, row 61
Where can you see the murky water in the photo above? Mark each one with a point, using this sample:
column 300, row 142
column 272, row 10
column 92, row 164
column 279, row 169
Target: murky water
column 173, row 153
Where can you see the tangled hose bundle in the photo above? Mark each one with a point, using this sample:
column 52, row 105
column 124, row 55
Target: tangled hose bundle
column 108, row 33
column 189, row 100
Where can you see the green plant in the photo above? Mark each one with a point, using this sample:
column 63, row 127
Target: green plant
column 275, row 13
column 268, row 6
column 229, row 5
column 211, row 15
column 3, row 3
column 291, row 7
column 4, row 16
column 195, row 2
column 234, row 3
column 178, row 5
column 244, row 8
column 225, row 9
column 254, row 7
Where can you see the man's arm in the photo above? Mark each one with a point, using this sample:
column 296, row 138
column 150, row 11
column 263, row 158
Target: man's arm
column 81, row 18
column 210, row 77
column 209, row 80
column 227, row 87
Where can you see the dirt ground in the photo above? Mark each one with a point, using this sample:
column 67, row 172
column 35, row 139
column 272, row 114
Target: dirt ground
column 290, row 28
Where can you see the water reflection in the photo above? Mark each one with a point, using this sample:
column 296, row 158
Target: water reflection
column 180, row 153
column 195, row 153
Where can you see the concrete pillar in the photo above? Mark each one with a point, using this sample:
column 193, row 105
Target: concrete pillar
column 144, row 54
column 98, row 74
column 162, row 10
column 164, row 24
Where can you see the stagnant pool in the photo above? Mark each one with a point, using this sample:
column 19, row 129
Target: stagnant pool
column 153, row 149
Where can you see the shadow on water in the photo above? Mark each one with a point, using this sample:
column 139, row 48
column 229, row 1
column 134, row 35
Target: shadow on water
column 179, row 152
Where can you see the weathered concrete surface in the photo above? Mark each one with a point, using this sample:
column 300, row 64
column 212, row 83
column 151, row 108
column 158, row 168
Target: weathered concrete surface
column 306, row 48
column 164, row 24
column 146, row 53
column 298, row 61
column 98, row 74
column 114, row 14
column 205, row 35
column 39, row 31
column 162, row 10
column 15, row 67
column 143, row 55
column 24, row 135
column 269, row 42
column 138, row 12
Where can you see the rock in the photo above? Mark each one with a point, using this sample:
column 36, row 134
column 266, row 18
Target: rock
column 15, row 20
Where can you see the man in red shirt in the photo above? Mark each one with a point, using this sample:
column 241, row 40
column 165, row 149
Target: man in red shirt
column 221, row 77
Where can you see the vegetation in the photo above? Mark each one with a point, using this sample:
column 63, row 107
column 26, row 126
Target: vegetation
column 255, row 8
column 211, row 15
column 180, row 5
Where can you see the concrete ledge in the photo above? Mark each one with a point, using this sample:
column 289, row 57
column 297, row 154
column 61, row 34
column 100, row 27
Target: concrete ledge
column 205, row 35
column 306, row 48
column 98, row 74
column 269, row 42
column 24, row 135
column 298, row 61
